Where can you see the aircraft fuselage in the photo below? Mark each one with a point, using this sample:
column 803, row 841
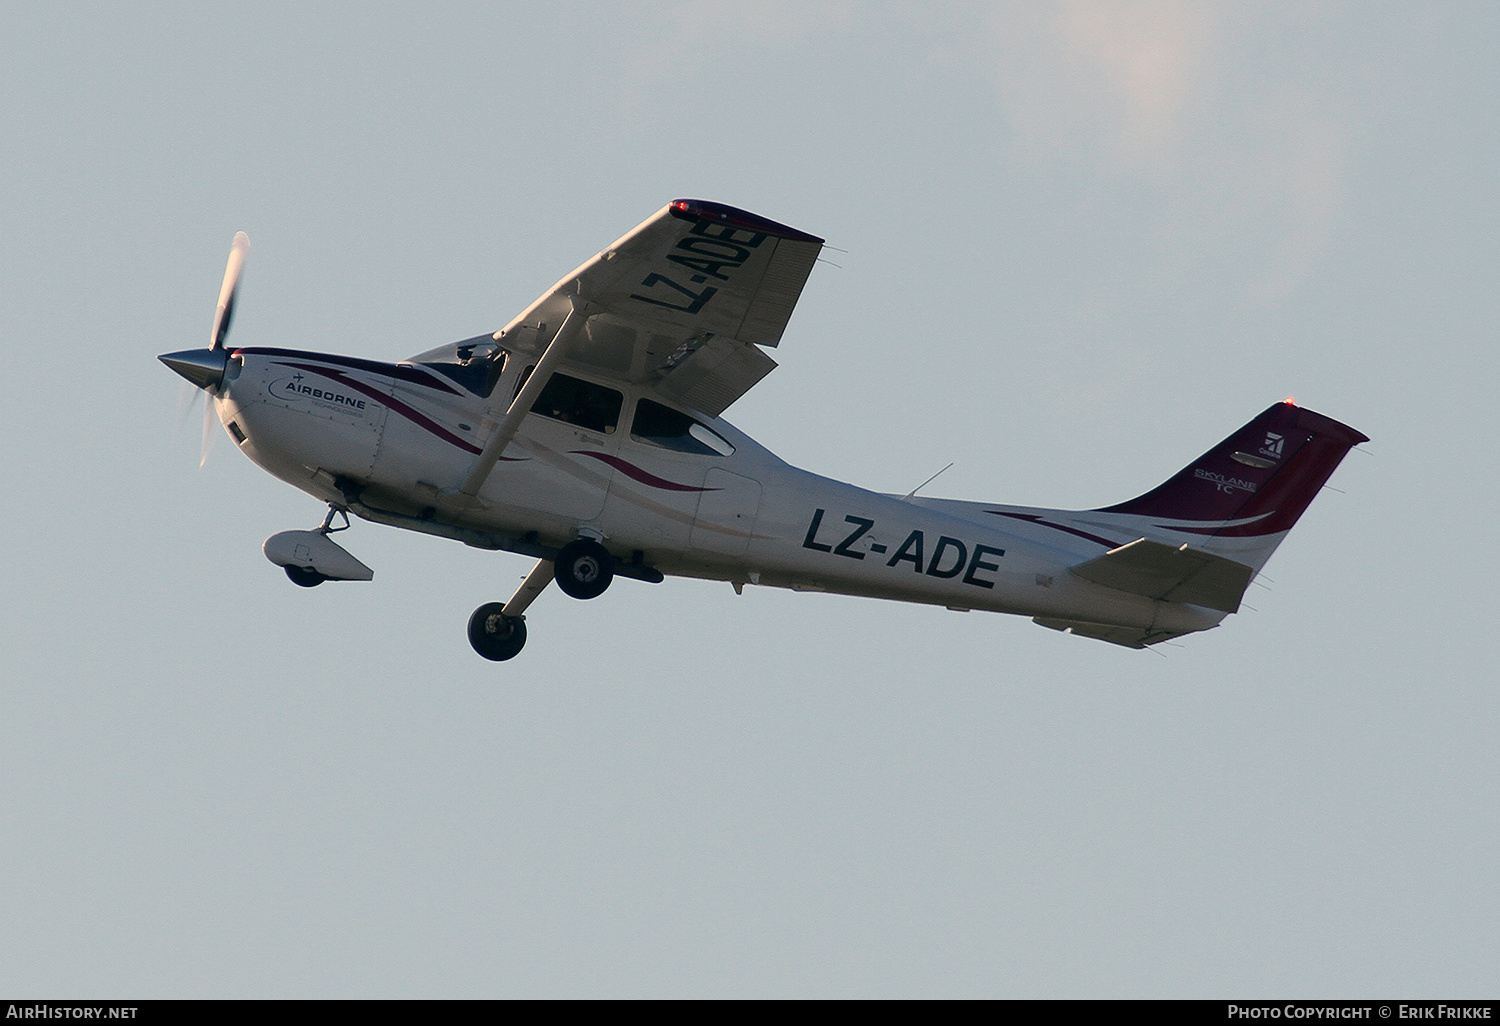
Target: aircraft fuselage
column 672, row 490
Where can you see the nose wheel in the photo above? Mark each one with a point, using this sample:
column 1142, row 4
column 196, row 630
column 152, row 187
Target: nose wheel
column 304, row 576
column 312, row 557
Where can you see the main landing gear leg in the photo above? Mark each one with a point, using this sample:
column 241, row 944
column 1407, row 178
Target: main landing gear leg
column 498, row 630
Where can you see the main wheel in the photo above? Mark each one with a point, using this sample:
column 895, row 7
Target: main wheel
column 584, row 568
column 495, row 635
column 304, row 576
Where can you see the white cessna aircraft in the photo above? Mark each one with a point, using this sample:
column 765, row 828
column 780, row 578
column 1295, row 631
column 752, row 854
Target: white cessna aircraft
column 586, row 434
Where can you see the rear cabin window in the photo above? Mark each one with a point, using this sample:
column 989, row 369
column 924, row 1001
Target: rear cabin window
column 583, row 403
column 661, row 425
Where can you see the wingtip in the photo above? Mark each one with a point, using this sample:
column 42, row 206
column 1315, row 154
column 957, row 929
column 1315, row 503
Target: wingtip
column 707, row 210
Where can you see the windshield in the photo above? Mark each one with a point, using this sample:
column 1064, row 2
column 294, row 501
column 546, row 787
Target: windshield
column 475, row 363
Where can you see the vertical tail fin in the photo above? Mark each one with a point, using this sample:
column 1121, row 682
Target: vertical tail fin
column 1202, row 535
column 1243, row 495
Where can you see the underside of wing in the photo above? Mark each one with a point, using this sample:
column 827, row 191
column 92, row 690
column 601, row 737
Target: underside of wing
column 682, row 304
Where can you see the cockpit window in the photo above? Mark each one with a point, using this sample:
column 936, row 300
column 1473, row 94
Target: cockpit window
column 575, row 401
column 661, row 425
column 475, row 363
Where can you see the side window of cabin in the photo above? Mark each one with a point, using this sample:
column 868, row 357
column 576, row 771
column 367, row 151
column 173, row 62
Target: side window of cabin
column 574, row 401
column 656, row 424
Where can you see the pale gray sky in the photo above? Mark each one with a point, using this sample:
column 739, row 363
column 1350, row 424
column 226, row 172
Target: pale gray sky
column 1084, row 241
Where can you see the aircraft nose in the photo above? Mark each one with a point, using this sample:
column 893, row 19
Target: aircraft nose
column 203, row 367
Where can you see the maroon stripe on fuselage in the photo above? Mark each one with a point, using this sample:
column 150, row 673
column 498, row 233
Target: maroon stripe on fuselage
column 1239, row 530
column 1034, row 518
column 411, row 374
column 645, row 477
column 386, row 399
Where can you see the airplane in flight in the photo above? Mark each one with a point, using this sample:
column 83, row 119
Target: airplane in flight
column 587, row 434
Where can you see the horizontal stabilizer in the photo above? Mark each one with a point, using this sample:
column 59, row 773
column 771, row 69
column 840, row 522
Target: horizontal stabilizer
column 1171, row 573
column 1130, row 637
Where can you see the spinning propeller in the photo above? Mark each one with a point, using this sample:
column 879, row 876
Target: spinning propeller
column 205, row 368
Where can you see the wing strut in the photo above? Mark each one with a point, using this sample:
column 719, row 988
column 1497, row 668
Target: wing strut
column 520, row 406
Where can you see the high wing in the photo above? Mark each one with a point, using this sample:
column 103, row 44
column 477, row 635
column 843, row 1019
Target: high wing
column 681, row 304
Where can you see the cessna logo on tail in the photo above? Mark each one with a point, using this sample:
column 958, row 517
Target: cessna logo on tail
column 1272, row 446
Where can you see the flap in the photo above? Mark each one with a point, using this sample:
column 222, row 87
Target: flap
column 1171, row 573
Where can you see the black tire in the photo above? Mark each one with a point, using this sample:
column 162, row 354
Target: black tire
column 583, row 569
column 304, row 576
column 494, row 635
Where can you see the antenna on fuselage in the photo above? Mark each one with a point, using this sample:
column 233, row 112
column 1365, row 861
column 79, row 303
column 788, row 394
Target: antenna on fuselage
column 924, row 484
